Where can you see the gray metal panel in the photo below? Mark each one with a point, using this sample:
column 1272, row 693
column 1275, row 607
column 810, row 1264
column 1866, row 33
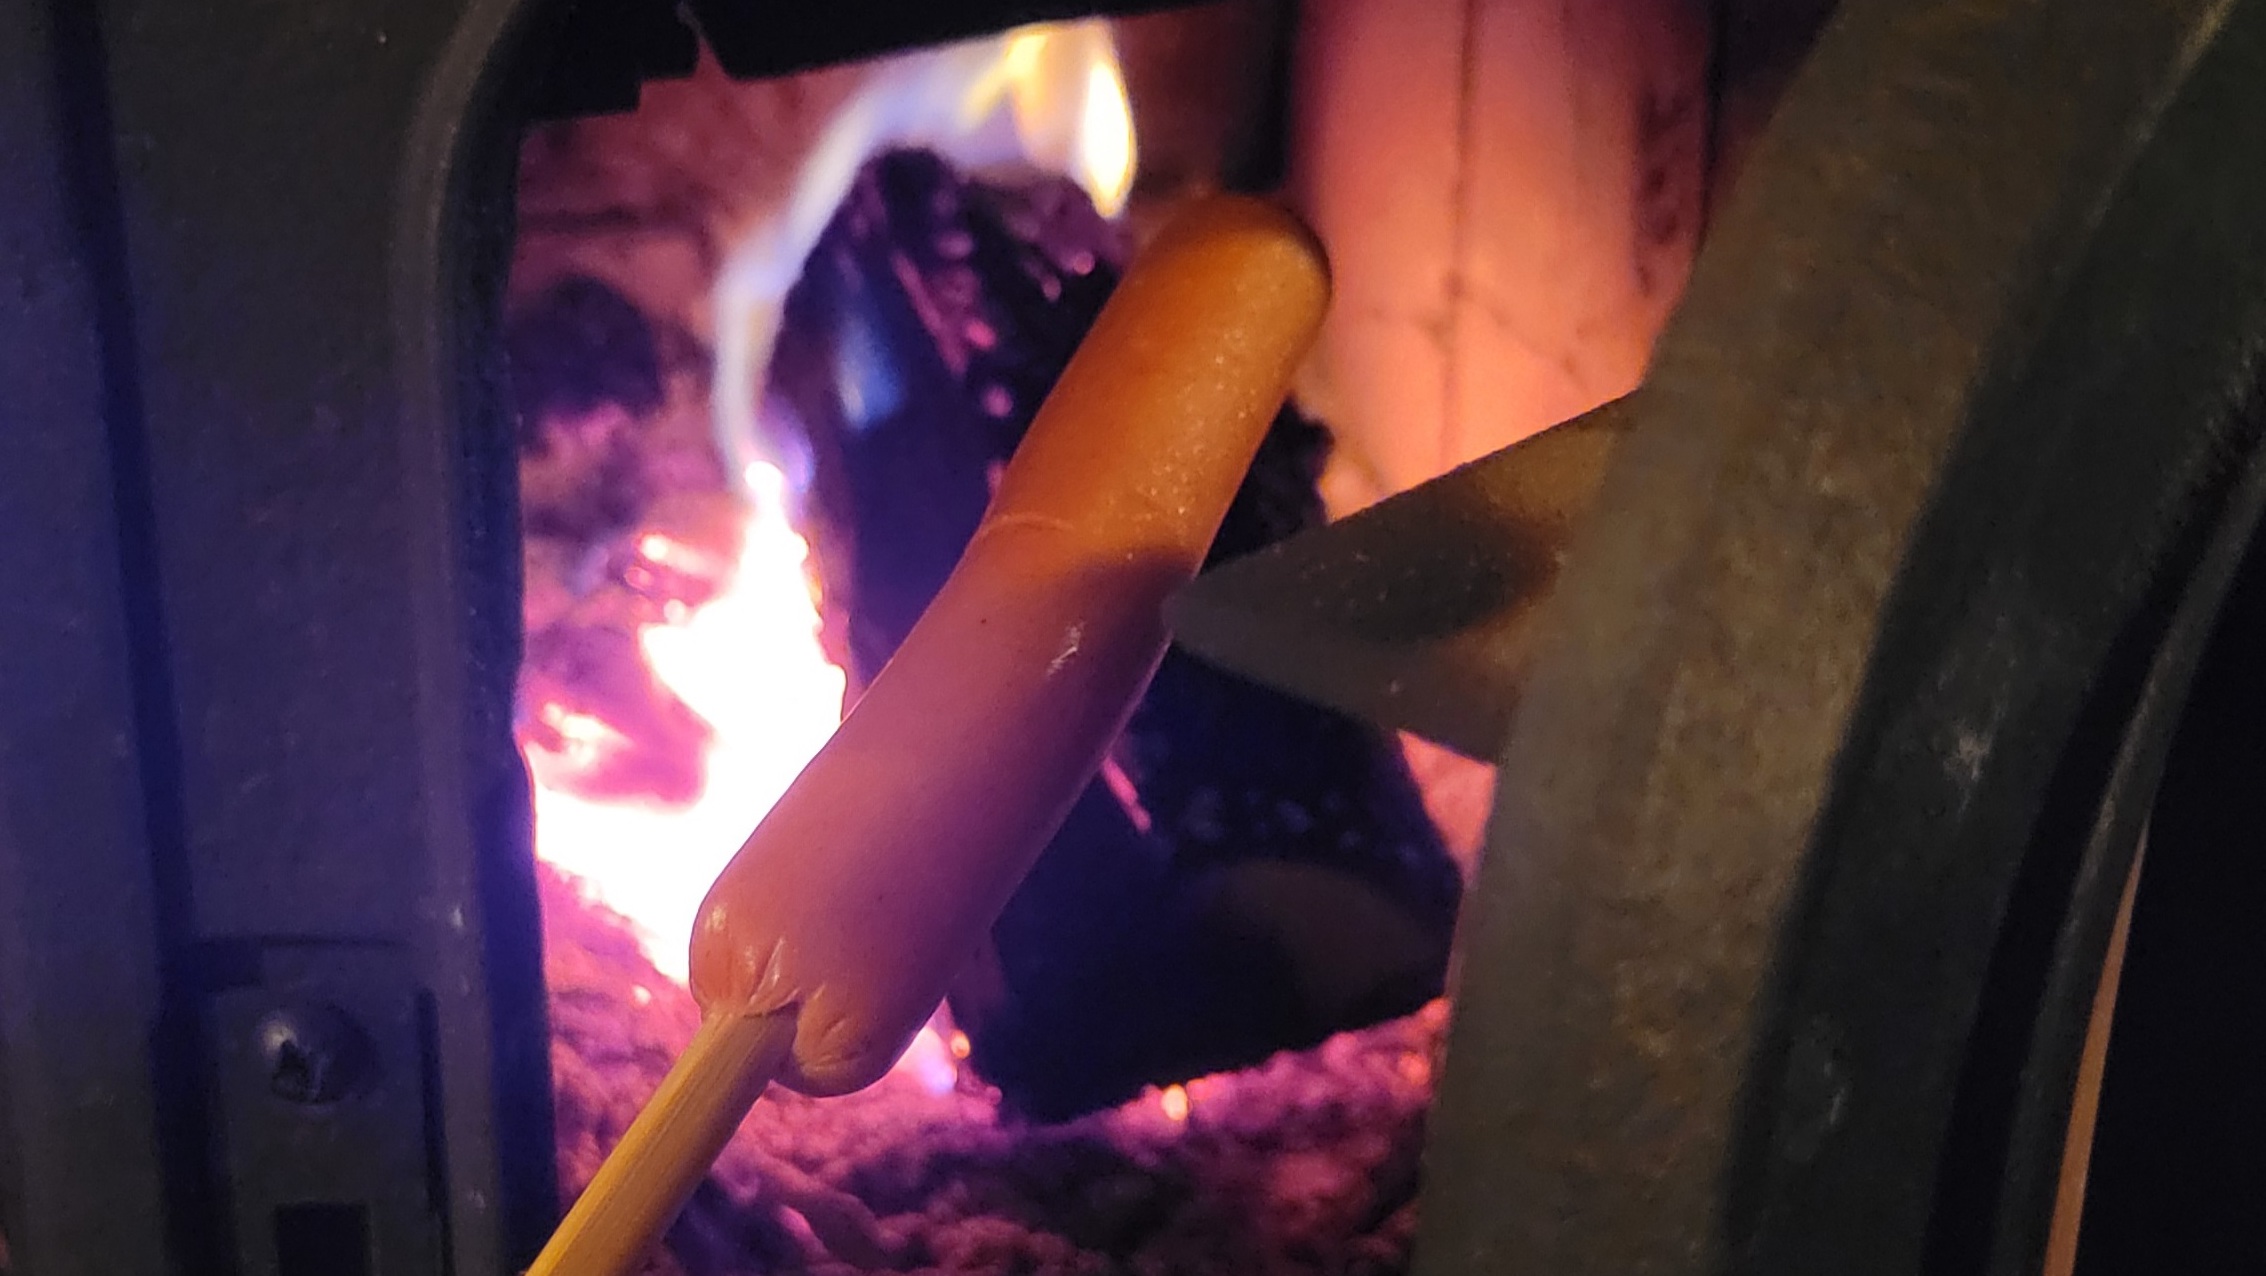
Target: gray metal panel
column 315, row 203
column 79, row 940
column 257, row 149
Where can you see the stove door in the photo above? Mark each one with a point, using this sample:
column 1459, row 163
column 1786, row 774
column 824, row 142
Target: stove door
column 274, row 1001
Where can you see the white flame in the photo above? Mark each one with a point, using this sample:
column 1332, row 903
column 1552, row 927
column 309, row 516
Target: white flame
column 747, row 661
column 1105, row 140
column 1071, row 113
column 1049, row 96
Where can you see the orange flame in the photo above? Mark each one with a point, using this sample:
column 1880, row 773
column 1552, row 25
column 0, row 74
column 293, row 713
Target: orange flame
column 1049, row 96
column 748, row 660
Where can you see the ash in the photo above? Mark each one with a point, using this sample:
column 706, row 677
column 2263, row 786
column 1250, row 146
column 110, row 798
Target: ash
column 1306, row 1163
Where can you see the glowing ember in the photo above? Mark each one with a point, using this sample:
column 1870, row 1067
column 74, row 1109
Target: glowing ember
column 748, row 662
column 931, row 1062
column 1174, row 1101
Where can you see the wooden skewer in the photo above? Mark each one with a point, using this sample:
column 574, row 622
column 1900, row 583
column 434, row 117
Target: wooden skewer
column 832, row 935
column 667, row 1150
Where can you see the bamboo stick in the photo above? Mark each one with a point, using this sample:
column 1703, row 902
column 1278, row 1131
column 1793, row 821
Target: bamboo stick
column 667, row 1150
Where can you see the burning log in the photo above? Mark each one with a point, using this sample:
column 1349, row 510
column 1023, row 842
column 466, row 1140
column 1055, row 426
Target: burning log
column 1252, row 873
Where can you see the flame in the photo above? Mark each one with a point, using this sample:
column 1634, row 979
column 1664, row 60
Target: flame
column 748, row 661
column 1105, row 139
column 1071, row 112
column 930, row 1063
column 1049, row 96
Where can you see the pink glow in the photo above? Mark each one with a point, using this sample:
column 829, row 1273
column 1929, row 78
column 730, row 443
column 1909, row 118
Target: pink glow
column 748, row 662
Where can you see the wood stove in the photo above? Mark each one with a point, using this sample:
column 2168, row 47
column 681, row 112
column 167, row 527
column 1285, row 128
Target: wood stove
column 1834, row 750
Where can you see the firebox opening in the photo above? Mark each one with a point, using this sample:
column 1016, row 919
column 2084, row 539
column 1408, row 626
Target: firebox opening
column 771, row 341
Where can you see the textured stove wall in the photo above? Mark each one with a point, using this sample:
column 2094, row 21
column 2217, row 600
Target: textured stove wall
column 1511, row 192
column 651, row 201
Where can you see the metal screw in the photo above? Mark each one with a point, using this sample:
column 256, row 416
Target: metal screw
column 313, row 1053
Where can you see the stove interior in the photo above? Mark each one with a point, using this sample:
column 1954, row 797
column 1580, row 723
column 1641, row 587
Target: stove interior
column 770, row 341
column 770, row 293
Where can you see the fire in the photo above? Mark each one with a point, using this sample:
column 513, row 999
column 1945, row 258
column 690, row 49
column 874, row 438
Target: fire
column 748, row 662
column 1050, row 96
column 1067, row 93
